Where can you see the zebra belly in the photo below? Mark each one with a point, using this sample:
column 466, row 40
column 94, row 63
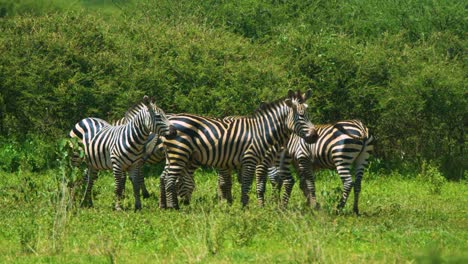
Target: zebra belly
column 225, row 153
column 100, row 162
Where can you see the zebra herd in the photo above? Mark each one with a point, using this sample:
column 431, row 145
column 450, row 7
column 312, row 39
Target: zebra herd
column 276, row 135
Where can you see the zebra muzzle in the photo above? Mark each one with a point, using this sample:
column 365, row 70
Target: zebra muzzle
column 311, row 137
column 172, row 133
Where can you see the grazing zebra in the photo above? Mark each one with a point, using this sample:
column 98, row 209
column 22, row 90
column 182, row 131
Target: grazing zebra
column 121, row 147
column 242, row 142
column 154, row 154
column 339, row 146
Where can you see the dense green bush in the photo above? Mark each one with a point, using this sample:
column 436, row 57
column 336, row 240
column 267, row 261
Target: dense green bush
column 398, row 66
column 33, row 154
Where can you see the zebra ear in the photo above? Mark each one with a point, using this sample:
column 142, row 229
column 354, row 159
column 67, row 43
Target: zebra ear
column 290, row 93
column 307, row 94
column 288, row 102
column 146, row 100
column 263, row 105
column 152, row 99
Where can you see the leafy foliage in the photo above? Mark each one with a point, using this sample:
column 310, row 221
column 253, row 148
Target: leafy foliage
column 431, row 173
column 398, row 66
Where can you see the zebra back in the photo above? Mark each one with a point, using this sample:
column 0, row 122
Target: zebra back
column 84, row 131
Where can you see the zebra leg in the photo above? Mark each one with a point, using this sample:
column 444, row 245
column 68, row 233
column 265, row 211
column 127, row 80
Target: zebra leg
column 225, row 185
column 247, row 175
column 173, row 173
column 275, row 178
column 119, row 176
column 288, row 183
column 162, row 190
column 307, row 182
column 361, row 163
column 357, row 189
column 276, row 182
column 262, row 171
column 144, row 191
column 137, row 176
column 345, row 175
column 261, row 177
column 186, row 185
column 91, row 175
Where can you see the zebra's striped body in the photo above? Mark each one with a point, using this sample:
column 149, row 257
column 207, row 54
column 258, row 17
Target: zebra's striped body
column 339, row 146
column 155, row 154
column 240, row 142
column 120, row 147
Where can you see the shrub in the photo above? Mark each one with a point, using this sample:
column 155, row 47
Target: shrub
column 430, row 173
column 399, row 68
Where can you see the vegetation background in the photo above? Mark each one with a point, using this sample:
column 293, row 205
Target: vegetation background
column 400, row 66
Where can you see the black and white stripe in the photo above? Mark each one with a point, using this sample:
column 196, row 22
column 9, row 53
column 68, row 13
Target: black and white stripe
column 240, row 142
column 121, row 147
column 339, row 146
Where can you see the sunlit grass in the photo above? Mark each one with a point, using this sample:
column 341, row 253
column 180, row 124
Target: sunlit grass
column 402, row 221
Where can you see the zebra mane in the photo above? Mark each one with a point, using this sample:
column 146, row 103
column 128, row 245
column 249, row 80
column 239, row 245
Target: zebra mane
column 268, row 105
column 133, row 110
column 264, row 106
column 119, row 122
column 129, row 114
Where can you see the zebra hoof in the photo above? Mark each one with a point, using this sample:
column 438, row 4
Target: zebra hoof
column 146, row 195
column 356, row 212
column 185, row 201
column 317, row 206
column 162, row 204
column 87, row 204
column 170, row 207
column 138, row 207
column 338, row 210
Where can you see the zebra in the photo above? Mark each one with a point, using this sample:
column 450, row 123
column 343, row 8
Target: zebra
column 155, row 154
column 339, row 146
column 120, row 147
column 242, row 142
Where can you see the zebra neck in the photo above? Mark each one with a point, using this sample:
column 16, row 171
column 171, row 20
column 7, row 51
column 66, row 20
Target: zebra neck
column 139, row 128
column 271, row 123
column 321, row 129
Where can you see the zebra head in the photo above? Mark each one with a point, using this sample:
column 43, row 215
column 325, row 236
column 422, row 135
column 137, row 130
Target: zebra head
column 298, row 119
column 158, row 122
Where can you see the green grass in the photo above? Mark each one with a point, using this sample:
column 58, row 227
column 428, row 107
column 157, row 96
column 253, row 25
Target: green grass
column 401, row 222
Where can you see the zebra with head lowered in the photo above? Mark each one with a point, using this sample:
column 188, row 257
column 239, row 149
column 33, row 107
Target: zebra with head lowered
column 240, row 143
column 155, row 154
column 339, row 146
column 121, row 147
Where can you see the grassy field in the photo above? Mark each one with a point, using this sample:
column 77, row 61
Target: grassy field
column 402, row 221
